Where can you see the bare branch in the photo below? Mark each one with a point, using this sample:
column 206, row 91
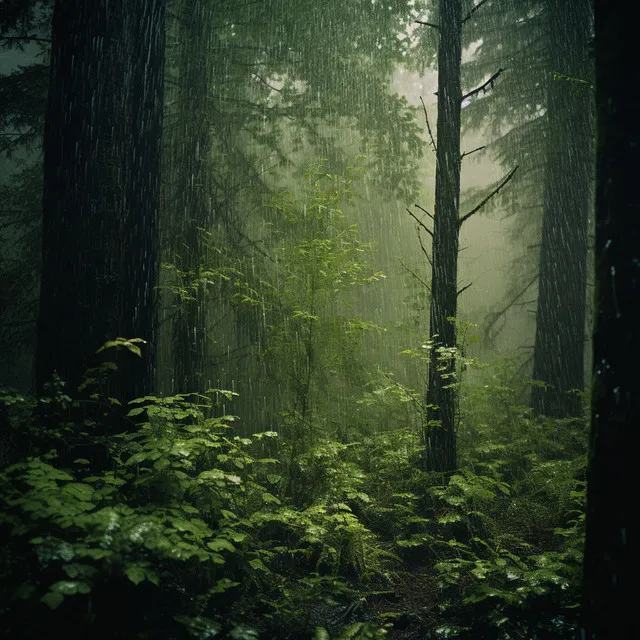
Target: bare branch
column 424, row 211
column 493, row 193
column 426, row 117
column 429, row 24
column 426, row 253
column 422, row 224
column 484, row 86
column 264, row 82
column 417, row 277
column 473, row 10
column 497, row 315
column 463, row 289
column 468, row 153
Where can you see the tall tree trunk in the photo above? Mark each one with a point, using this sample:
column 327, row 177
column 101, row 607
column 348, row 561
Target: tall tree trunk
column 101, row 187
column 193, row 202
column 440, row 436
column 612, row 549
column 560, row 318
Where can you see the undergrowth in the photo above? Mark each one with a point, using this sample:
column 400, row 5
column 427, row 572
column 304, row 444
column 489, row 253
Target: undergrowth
column 158, row 520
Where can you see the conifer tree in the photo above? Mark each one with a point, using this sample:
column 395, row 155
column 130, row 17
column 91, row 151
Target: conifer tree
column 101, row 187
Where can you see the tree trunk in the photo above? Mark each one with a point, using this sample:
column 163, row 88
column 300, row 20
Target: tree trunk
column 440, row 436
column 560, row 317
column 193, row 203
column 611, row 559
column 101, row 187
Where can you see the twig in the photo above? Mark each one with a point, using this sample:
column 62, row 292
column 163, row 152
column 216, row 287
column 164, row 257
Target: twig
column 464, row 289
column 426, row 117
column 424, row 211
column 468, row 153
column 497, row 315
column 426, row 253
column 484, row 85
column 264, row 82
column 422, row 224
column 417, row 277
column 428, row 24
column 473, row 10
column 493, row 193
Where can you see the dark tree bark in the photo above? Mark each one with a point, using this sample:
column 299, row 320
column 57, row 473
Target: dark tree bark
column 440, row 436
column 101, row 186
column 611, row 561
column 560, row 317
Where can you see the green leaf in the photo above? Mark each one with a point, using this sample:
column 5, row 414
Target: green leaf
column 135, row 573
column 136, row 458
column 220, row 544
column 70, row 587
column 79, row 490
column 258, row 565
column 52, row 599
column 77, row 570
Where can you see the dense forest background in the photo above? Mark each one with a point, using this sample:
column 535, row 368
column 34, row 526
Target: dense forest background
column 296, row 305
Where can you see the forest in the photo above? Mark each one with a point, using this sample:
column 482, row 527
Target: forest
column 319, row 319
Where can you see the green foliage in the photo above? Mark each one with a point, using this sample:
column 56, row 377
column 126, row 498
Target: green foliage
column 215, row 534
column 311, row 328
column 189, row 512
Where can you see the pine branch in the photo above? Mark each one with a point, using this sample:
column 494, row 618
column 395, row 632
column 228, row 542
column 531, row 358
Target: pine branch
column 426, row 117
column 483, row 87
column 428, row 24
column 424, row 211
column 493, row 193
column 417, row 277
column 468, row 153
column 426, row 253
column 473, row 10
column 25, row 38
column 463, row 289
column 422, row 224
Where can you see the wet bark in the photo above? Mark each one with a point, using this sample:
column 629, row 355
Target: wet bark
column 612, row 550
column 560, row 316
column 440, row 436
column 101, row 188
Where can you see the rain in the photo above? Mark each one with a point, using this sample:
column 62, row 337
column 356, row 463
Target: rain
column 318, row 319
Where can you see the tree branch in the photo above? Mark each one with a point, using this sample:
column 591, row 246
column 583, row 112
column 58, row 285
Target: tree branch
column 422, row 224
column 426, row 117
column 423, row 210
column 483, row 87
column 417, row 277
column 428, row 24
column 473, row 10
column 25, row 38
column 426, row 253
column 468, row 153
column 497, row 315
column 463, row 289
column 493, row 193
